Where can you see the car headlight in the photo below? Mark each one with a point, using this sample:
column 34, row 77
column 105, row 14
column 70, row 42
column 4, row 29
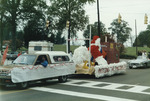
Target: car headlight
column 9, row 74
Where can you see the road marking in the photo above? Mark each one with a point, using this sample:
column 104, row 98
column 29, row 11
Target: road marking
column 79, row 94
column 109, row 86
column 9, row 92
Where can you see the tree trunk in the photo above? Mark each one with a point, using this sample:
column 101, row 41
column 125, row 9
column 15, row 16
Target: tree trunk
column 1, row 34
column 13, row 47
column 13, row 38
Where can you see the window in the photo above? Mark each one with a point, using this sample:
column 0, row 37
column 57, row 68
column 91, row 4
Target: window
column 37, row 48
column 25, row 59
column 39, row 59
column 60, row 58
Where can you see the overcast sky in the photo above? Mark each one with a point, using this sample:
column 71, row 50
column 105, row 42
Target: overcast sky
column 128, row 9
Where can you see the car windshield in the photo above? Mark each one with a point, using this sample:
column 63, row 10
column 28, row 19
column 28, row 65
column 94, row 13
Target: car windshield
column 25, row 59
column 141, row 57
column 12, row 52
column 61, row 58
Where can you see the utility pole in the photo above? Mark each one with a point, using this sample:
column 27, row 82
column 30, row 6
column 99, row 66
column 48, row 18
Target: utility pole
column 1, row 34
column 136, row 38
column 98, row 15
column 69, row 29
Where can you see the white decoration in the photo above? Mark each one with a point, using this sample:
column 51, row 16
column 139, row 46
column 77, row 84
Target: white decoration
column 81, row 54
column 101, row 61
column 39, row 72
column 111, row 69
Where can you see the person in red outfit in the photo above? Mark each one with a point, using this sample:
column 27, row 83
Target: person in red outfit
column 19, row 54
column 98, row 54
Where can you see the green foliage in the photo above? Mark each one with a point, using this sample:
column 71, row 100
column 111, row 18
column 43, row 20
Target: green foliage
column 121, row 30
column 34, row 32
column 18, row 11
column 94, row 30
column 143, row 38
column 30, row 15
column 124, row 56
column 61, row 11
column 10, row 9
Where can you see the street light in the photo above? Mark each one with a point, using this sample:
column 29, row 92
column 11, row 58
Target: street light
column 47, row 23
column 46, row 31
column 145, row 19
column 67, row 24
column 119, row 18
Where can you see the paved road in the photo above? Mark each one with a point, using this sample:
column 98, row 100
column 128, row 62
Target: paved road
column 134, row 85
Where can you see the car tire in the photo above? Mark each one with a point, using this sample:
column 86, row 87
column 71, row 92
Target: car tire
column 130, row 67
column 63, row 78
column 22, row 85
column 44, row 81
column 146, row 65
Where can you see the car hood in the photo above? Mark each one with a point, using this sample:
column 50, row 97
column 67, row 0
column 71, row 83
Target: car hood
column 137, row 61
column 9, row 67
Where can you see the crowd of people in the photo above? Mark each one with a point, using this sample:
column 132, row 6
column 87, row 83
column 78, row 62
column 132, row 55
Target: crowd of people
column 144, row 53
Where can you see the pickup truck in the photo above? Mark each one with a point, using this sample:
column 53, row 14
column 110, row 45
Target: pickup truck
column 27, row 68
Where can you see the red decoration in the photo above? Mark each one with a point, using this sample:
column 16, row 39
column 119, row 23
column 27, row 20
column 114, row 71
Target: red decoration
column 95, row 49
column 4, row 55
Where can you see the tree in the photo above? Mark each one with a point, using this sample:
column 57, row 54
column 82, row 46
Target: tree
column 17, row 11
column 11, row 8
column 94, row 30
column 2, row 22
column 34, row 30
column 143, row 38
column 61, row 11
column 121, row 30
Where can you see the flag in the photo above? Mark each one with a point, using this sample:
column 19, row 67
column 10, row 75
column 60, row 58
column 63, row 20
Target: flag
column 4, row 55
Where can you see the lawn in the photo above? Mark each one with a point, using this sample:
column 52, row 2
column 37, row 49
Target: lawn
column 129, row 51
column 132, row 50
column 63, row 47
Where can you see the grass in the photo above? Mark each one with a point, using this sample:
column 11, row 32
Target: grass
column 63, row 48
column 132, row 50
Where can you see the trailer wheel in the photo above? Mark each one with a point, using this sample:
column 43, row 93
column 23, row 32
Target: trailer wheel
column 22, row 85
column 63, row 78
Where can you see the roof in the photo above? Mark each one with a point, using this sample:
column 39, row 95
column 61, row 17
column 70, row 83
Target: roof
column 51, row 52
column 40, row 43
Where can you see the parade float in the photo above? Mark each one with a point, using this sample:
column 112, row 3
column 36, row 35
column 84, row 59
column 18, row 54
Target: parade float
column 97, row 60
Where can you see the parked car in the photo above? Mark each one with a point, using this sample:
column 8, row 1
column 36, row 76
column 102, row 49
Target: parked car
column 27, row 68
column 141, row 61
column 12, row 55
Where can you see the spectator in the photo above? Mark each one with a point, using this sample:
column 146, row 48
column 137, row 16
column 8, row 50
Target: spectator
column 71, row 54
column 59, row 59
column 19, row 54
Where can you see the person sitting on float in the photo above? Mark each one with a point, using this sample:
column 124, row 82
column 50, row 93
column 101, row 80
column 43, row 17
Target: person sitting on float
column 98, row 54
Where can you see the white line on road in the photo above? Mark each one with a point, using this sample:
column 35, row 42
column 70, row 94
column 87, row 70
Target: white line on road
column 79, row 94
column 109, row 86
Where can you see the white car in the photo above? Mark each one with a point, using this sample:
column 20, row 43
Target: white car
column 141, row 61
column 27, row 68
